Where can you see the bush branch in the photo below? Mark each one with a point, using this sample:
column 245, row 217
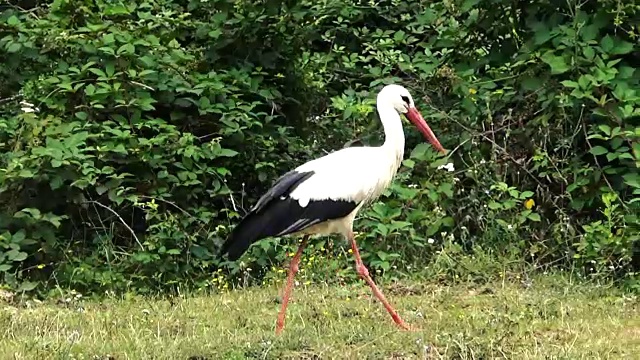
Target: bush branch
column 119, row 218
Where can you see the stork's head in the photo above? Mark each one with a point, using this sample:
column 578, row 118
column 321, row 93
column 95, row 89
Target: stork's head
column 402, row 101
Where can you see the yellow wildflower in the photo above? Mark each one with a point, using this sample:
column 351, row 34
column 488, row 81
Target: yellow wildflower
column 529, row 204
column 472, row 91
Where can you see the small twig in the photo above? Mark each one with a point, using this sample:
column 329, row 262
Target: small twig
column 169, row 203
column 595, row 158
column 104, row 227
column 456, row 148
column 503, row 150
column 142, row 85
column 119, row 218
column 206, row 136
column 241, row 199
column 233, row 202
column 10, row 98
column 29, row 12
column 177, row 70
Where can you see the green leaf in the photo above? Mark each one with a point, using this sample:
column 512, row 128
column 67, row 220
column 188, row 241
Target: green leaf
column 26, row 173
column 598, row 150
column 13, row 20
column 204, row 103
column 569, row 83
column 113, row 196
column 542, row 34
column 531, row 83
column 588, row 52
column 622, row 47
column 605, row 129
column 557, row 63
column 110, row 69
column 626, row 72
column 27, row 285
column 399, row 36
column 90, row 89
column 80, row 183
column 227, row 152
column 203, row 253
column 420, row 152
column 534, row 217
column 468, row 4
column 148, row 61
column 616, row 143
column 632, row 180
column 52, row 219
column 526, row 194
column 385, row 265
column 447, row 189
column 16, row 256
column 35, row 213
column 101, row 189
column 347, row 113
column 18, row 236
column 117, row 9
column 146, row 72
column 126, row 49
column 607, row 44
column 56, row 182
column 120, row 149
column 583, row 81
column 590, row 32
column 97, row 72
column 14, row 47
column 494, row 205
column 382, row 255
column 409, row 163
column 108, row 38
column 5, row 267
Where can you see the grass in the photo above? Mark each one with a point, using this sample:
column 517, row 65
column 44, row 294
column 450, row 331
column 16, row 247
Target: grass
column 551, row 319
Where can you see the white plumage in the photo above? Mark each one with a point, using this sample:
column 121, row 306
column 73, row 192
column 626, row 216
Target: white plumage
column 364, row 174
column 324, row 195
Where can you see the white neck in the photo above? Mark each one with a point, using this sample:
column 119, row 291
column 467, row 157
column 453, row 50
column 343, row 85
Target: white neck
column 393, row 132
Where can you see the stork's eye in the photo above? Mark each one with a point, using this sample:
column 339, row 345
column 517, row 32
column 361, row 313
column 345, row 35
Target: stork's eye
column 406, row 100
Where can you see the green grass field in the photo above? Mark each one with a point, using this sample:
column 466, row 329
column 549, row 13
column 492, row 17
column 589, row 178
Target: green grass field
column 550, row 319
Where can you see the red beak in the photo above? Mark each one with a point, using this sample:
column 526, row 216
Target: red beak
column 418, row 121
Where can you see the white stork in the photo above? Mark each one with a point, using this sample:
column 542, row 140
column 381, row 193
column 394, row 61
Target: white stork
column 324, row 195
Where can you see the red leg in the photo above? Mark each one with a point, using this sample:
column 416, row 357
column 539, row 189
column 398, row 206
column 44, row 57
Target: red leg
column 293, row 269
column 364, row 274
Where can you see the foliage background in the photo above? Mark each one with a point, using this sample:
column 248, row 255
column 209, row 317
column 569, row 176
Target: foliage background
column 134, row 135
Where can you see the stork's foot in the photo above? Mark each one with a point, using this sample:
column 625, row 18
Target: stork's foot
column 402, row 325
column 411, row 328
column 364, row 274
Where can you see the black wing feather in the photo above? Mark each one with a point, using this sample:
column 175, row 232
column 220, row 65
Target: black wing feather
column 277, row 214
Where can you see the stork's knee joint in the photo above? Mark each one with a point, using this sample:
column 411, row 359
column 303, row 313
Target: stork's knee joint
column 362, row 270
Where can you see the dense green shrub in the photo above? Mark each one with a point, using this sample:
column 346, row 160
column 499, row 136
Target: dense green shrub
column 158, row 122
